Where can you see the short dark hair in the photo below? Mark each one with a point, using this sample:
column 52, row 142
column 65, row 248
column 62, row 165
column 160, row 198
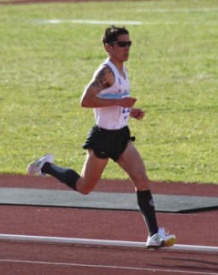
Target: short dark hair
column 111, row 34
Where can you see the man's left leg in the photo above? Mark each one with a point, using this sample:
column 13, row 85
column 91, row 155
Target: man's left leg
column 132, row 163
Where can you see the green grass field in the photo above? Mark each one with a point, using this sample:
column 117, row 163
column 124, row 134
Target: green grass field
column 173, row 68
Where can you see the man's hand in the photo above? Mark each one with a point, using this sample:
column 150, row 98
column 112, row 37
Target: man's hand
column 137, row 113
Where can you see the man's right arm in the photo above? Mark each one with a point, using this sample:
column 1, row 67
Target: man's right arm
column 104, row 79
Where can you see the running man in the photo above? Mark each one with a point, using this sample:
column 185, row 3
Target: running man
column 108, row 93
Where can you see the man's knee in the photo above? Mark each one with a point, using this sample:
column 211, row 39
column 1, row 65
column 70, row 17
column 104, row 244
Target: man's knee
column 84, row 191
column 83, row 188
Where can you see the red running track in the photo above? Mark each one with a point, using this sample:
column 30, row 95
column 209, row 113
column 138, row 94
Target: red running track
column 18, row 258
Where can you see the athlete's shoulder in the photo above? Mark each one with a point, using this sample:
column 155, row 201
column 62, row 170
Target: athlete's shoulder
column 104, row 74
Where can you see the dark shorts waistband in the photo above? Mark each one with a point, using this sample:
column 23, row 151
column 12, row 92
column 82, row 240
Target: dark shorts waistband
column 100, row 129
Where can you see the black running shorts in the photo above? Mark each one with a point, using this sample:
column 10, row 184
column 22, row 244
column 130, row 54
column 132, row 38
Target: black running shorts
column 108, row 143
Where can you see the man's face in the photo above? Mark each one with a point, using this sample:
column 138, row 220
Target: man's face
column 119, row 49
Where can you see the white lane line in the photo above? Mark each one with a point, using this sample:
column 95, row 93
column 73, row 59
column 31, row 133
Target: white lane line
column 106, row 243
column 177, row 10
column 125, row 23
column 86, row 21
column 154, row 269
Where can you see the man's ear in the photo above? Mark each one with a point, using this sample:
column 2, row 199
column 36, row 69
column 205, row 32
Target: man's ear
column 107, row 47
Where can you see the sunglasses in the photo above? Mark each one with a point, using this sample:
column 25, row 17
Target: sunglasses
column 123, row 44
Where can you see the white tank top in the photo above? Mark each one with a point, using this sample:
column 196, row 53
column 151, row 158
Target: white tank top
column 113, row 117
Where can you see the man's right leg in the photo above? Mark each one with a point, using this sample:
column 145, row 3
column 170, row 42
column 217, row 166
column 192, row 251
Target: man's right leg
column 91, row 173
column 65, row 175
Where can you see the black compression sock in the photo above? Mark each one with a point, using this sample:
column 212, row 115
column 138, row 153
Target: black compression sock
column 65, row 175
column 146, row 205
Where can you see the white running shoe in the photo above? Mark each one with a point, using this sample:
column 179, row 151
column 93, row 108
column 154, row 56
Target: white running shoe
column 161, row 238
column 35, row 167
